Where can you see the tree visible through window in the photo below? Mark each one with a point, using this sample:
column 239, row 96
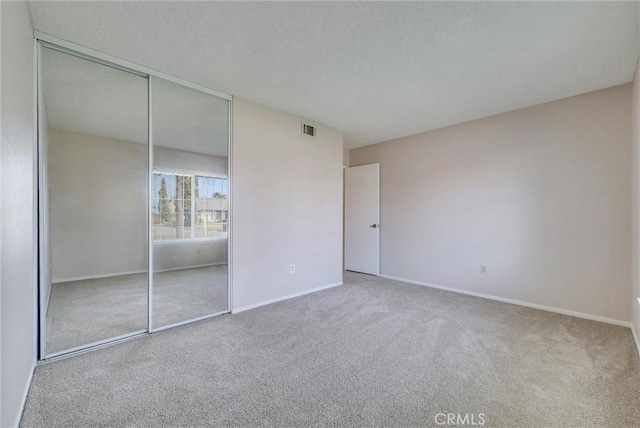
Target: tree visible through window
column 179, row 213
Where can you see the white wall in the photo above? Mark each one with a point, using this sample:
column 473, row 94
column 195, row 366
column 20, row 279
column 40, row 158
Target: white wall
column 287, row 206
column 97, row 197
column 635, row 260
column 195, row 162
column 17, row 277
column 97, row 189
column 541, row 196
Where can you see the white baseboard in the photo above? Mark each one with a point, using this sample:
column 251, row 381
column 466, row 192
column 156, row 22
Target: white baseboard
column 279, row 299
column 99, row 276
column 25, row 393
column 135, row 272
column 636, row 339
column 515, row 302
column 190, row 267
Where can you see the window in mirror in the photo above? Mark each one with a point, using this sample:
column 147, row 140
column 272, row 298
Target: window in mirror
column 211, row 207
column 181, row 213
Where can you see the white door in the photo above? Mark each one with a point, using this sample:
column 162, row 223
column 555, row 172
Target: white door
column 362, row 215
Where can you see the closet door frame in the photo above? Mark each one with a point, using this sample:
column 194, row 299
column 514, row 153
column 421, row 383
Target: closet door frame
column 40, row 187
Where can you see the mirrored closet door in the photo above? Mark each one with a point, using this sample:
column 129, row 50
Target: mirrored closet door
column 94, row 157
column 134, row 201
column 190, row 203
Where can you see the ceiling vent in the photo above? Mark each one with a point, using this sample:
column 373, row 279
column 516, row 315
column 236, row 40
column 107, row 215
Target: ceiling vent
column 308, row 130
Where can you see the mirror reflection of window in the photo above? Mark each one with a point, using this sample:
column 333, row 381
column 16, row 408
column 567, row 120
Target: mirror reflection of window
column 211, row 207
column 182, row 213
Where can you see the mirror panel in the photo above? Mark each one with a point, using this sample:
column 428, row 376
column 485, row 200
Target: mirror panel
column 94, row 148
column 190, row 207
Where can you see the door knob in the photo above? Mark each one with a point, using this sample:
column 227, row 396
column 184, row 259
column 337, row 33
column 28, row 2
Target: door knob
column 374, row 226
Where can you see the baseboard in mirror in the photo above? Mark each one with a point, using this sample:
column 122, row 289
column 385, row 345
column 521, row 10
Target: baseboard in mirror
column 514, row 302
column 136, row 272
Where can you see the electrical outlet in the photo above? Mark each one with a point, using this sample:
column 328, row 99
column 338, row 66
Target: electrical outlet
column 292, row 268
column 483, row 269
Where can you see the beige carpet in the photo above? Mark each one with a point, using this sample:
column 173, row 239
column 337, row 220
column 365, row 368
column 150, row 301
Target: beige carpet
column 81, row 312
column 373, row 352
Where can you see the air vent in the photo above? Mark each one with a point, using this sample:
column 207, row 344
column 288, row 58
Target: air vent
column 308, row 130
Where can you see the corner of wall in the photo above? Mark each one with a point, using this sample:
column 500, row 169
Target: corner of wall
column 17, row 253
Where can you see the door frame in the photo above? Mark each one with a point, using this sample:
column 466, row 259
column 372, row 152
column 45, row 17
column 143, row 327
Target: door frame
column 377, row 270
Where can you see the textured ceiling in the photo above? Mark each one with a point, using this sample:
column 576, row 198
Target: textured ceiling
column 375, row 70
